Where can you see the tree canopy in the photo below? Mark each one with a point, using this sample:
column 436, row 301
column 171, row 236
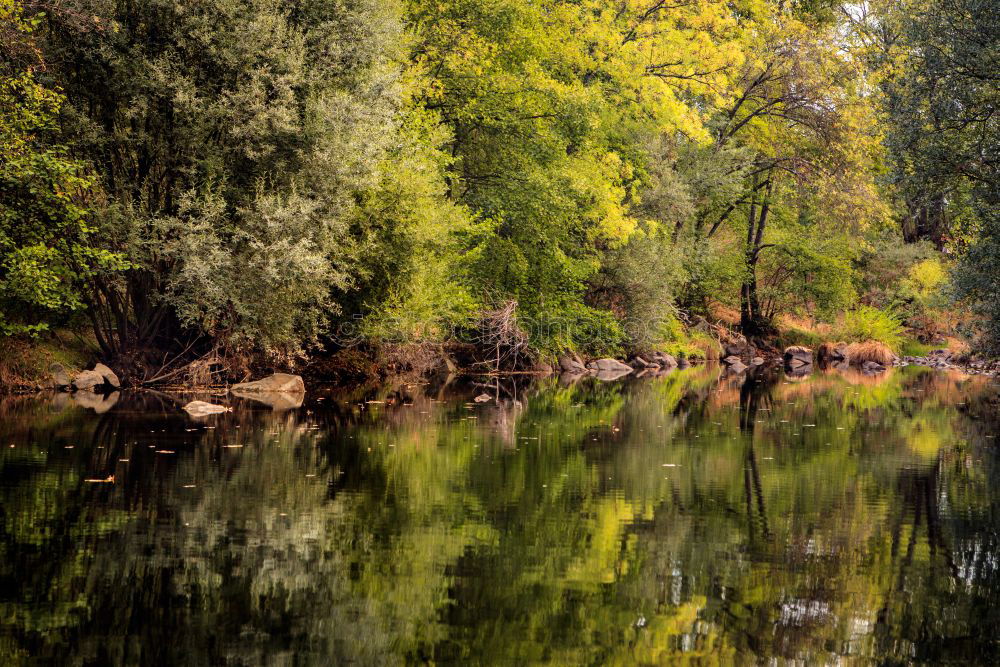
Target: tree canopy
column 257, row 177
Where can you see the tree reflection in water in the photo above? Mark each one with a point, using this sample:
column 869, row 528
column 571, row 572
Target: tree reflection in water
column 691, row 515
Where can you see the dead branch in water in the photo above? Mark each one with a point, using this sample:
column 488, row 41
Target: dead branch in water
column 502, row 338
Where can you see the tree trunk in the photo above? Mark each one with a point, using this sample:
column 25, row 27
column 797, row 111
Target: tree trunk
column 753, row 321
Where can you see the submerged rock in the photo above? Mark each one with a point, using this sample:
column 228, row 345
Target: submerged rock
column 872, row 368
column 201, row 408
column 483, row 398
column 277, row 382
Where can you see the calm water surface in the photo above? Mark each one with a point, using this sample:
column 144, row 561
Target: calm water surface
column 729, row 520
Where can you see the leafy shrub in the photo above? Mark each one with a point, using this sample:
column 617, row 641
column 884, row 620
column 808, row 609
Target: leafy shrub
column 925, row 279
column 866, row 323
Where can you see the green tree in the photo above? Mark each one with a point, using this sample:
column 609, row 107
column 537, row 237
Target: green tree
column 233, row 141
column 46, row 232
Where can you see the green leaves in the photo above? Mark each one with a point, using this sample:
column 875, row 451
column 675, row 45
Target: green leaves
column 45, row 240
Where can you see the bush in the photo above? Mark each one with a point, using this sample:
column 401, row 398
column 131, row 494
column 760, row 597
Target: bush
column 866, row 323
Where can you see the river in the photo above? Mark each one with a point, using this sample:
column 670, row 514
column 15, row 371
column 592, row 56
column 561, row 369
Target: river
column 737, row 520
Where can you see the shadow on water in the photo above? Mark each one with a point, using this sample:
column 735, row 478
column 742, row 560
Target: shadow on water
column 696, row 515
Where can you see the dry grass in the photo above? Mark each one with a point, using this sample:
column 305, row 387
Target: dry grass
column 957, row 347
column 709, row 348
column 870, row 350
column 830, row 350
column 806, row 324
column 724, row 314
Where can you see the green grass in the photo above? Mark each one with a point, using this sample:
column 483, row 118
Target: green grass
column 795, row 336
column 914, row 348
column 24, row 362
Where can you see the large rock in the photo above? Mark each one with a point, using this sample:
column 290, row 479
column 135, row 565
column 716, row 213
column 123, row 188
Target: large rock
column 276, row 400
column 59, row 376
column 731, row 360
column 88, row 381
column 570, row 363
column 278, row 382
column 741, row 349
column 872, row 368
column 737, row 367
column 542, row 368
column 609, row 365
column 108, row 375
column 639, row 362
column 798, row 352
column 665, row 360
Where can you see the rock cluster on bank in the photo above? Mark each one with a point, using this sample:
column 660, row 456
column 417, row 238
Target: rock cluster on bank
column 97, row 379
column 571, row 364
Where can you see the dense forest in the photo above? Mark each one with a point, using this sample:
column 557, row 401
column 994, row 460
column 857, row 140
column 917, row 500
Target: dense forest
column 273, row 180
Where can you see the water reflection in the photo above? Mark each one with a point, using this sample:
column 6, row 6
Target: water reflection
column 689, row 515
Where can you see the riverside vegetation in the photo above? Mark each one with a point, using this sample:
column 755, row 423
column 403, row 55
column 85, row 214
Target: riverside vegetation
column 190, row 191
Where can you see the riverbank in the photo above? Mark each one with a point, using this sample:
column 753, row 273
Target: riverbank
column 28, row 365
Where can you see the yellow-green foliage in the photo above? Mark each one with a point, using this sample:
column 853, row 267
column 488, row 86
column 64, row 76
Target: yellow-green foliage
column 687, row 344
column 866, row 323
column 925, row 279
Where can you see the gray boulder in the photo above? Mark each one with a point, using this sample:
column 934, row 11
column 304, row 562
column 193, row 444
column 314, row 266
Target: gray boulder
column 639, row 362
column 570, row 363
column 88, row 381
column 278, row 382
column 276, row 400
column 108, row 375
column 609, row 365
column 798, row 352
column 59, row 376
column 731, row 360
column 740, row 348
column 665, row 360
column 737, row 367
column 757, row 361
column 872, row 368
